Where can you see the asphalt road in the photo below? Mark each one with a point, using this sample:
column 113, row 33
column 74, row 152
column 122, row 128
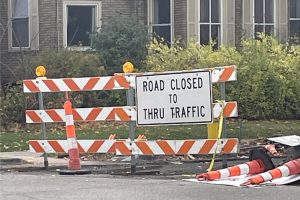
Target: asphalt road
column 37, row 186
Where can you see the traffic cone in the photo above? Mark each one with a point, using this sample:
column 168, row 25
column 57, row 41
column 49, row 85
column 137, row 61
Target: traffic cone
column 251, row 167
column 271, row 149
column 287, row 169
column 74, row 160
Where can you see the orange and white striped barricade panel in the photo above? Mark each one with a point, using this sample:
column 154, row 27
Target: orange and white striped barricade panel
column 219, row 74
column 178, row 147
column 124, row 113
column 78, row 84
column 61, row 146
column 230, row 109
column 224, row 74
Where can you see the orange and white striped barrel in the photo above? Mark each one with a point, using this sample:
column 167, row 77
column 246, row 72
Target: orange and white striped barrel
column 271, row 149
column 252, row 167
column 288, row 169
column 73, row 151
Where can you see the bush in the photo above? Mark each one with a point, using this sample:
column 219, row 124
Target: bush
column 267, row 85
column 121, row 39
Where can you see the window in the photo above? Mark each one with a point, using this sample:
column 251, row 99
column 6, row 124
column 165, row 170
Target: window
column 160, row 19
column 81, row 19
column 210, row 22
column 23, row 30
column 20, row 23
column 264, row 17
column 294, row 21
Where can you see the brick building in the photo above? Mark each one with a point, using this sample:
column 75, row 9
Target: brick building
column 29, row 26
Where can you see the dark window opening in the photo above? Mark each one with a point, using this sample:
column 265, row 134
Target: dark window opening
column 210, row 22
column 162, row 20
column 294, row 23
column 263, row 17
column 20, row 23
column 81, row 24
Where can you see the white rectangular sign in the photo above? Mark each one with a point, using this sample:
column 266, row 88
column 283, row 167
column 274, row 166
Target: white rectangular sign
column 174, row 98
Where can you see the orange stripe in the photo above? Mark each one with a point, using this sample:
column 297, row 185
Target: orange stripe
column 234, row 171
column 228, row 71
column 165, row 147
column 122, row 81
column 229, row 145
column 91, row 83
column 229, row 107
column 93, row 114
column 144, row 148
column 56, row 146
column 71, row 84
column 36, row 146
column 207, row 146
column 81, row 150
column 54, row 116
column 110, row 84
column 111, row 115
column 122, row 148
column 77, row 116
column 275, row 173
column 112, row 149
column 51, row 85
column 95, row 146
column 186, row 146
column 68, row 107
column 31, row 86
column 33, row 116
column 71, row 131
column 120, row 112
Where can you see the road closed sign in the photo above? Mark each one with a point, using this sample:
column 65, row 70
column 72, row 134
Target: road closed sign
column 174, row 98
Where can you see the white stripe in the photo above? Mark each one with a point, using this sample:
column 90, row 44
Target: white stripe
column 266, row 176
column 84, row 112
column 72, row 143
column 106, row 146
column 285, row 171
column 25, row 89
column 69, row 120
column 101, row 83
column 244, row 169
column 81, row 82
column 104, row 113
column 224, row 173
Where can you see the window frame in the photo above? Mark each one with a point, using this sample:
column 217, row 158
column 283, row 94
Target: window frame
column 150, row 20
column 264, row 16
column 220, row 35
column 98, row 15
column 289, row 22
column 10, row 29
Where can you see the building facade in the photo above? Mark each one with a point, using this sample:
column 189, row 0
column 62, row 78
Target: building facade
column 29, row 26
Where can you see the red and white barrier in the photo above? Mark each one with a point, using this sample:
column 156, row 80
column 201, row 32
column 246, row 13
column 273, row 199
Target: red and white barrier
column 123, row 113
column 139, row 147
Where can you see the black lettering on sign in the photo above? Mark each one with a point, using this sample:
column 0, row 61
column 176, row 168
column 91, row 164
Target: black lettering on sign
column 154, row 113
column 186, row 83
column 149, row 86
column 187, row 112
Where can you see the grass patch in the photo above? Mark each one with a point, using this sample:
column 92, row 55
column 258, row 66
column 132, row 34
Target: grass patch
column 17, row 140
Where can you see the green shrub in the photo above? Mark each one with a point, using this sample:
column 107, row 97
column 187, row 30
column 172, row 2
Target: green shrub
column 267, row 85
column 121, row 39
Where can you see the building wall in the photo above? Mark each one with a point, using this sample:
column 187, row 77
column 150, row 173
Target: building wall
column 50, row 14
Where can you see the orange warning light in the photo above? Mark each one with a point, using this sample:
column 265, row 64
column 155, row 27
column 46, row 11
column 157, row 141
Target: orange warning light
column 40, row 71
column 128, row 67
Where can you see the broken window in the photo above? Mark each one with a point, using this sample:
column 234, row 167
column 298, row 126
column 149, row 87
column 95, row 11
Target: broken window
column 19, row 23
column 161, row 19
column 264, row 17
column 80, row 24
column 294, row 22
column 210, row 22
